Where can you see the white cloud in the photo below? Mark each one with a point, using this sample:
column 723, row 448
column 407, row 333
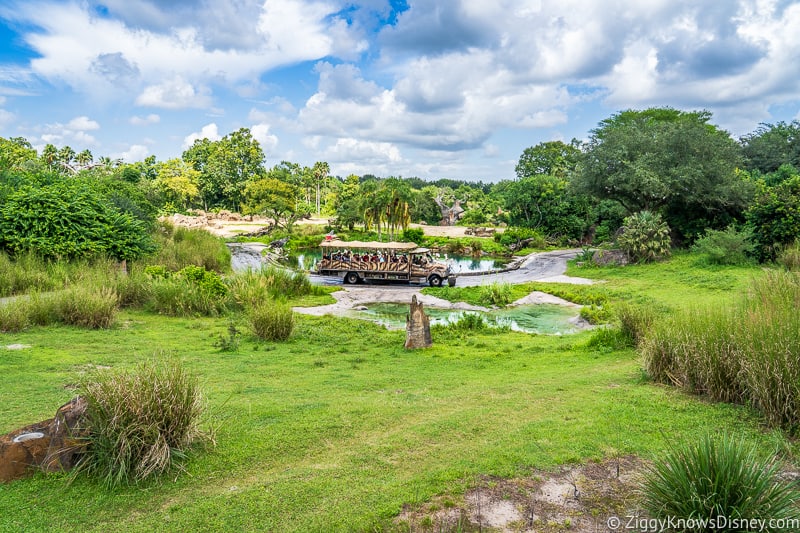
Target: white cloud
column 268, row 141
column 145, row 121
column 349, row 149
column 136, row 152
column 83, row 124
column 175, row 93
column 209, row 131
column 6, row 118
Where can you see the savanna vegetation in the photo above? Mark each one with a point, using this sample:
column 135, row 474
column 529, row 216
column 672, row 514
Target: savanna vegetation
column 213, row 406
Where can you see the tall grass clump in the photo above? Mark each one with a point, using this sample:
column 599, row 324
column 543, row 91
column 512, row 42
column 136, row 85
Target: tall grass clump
column 746, row 353
column 498, row 294
column 271, row 320
column 790, row 256
column 14, row 315
column 141, row 423
column 88, row 307
column 254, row 287
column 634, row 320
column 179, row 247
column 727, row 247
column 724, row 479
column 178, row 296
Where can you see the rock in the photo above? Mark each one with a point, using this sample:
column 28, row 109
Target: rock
column 418, row 327
column 51, row 445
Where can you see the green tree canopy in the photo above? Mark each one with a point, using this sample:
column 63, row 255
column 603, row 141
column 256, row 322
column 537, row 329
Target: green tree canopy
column 553, row 158
column 666, row 161
column 225, row 167
column 771, row 146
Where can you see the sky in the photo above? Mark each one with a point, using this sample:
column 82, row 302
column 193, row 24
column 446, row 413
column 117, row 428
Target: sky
column 413, row 88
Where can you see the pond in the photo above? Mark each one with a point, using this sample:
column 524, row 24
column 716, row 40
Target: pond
column 545, row 319
column 307, row 260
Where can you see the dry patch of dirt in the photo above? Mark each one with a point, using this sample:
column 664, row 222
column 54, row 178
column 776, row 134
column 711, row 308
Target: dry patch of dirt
column 577, row 498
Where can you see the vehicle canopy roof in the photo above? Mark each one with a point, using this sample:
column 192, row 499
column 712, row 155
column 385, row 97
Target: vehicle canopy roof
column 374, row 245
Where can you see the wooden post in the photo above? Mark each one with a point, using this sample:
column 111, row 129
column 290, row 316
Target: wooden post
column 418, row 327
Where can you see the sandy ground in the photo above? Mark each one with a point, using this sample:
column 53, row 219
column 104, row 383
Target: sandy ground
column 227, row 228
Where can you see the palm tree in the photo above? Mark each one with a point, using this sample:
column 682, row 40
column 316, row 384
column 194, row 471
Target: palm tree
column 320, row 172
column 49, row 155
column 84, row 159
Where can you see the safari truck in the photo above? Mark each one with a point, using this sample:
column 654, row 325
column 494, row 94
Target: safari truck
column 355, row 261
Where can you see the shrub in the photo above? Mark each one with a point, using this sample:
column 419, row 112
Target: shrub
column 88, row 307
column 498, row 294
column 774, row 217
column 178, row 296
column 272, row 321
column 711, row 479
column 208, row 282
column 141, row 423
column 596, row 314
column 413, row 235
column 728, row 247
column 645, row 237
column 69, row 219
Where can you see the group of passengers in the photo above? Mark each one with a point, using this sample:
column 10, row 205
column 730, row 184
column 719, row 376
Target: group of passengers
column 375, row 257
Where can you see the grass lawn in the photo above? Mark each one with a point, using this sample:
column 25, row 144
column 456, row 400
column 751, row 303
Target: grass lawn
column 340, row 427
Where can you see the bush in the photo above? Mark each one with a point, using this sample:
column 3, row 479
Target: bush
column 725, row 478
column 728, row 247
column 747, row 353
column 645, row 237
column 178, row 296
column 208, row 282
column 774, row 218
column 141, row 423
column 68, row 219
column 413, row 235
column 272, row 321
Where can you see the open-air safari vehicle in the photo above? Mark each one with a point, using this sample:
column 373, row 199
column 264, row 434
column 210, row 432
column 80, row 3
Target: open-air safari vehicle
column 355, row 261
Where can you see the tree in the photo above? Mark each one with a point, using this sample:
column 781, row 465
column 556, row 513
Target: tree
column 545, row 203
column 49, row 156
column 178, row 182
column 84, row 158
column 274, row 198
column 669, row 162
column 16, row 152
column 774, row 217
column 771, row 146
column 320, row 172
column 552, row 158
column 225, row 167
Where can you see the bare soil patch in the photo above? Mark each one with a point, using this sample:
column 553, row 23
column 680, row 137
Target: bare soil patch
column 578, row 498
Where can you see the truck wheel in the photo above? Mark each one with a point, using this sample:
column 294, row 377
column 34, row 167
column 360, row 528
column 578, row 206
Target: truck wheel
column 435, row 281
column 351, row 278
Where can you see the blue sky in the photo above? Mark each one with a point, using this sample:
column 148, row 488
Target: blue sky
column 434, row 89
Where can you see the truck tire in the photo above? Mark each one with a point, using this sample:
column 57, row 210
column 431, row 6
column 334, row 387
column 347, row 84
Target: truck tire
column 351, row 278
column 435, row 281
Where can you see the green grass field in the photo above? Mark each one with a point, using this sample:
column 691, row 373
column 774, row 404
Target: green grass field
column 340, row 427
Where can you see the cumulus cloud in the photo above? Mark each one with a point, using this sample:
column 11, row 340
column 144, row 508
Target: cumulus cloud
column 209, row 131
column 175, row 93
column 152, row 118
column 83, row 124
column 261, row 133
column 136, row 152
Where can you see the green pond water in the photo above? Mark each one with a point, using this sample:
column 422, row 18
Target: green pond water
column 546, row 319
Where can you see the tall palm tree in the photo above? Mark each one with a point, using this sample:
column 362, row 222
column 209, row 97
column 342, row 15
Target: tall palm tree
column 320, row 172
